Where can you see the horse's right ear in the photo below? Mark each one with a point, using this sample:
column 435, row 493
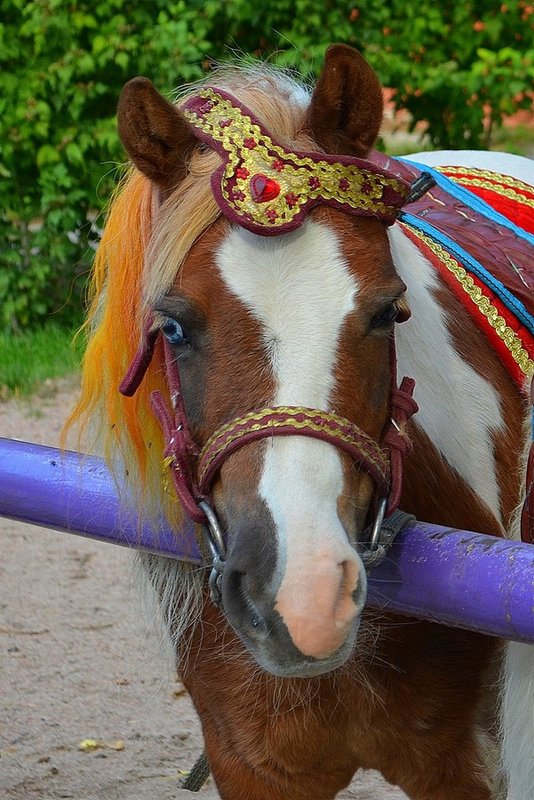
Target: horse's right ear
column 154, row 133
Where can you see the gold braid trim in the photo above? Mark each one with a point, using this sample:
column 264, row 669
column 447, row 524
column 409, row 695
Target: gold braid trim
column 263, row 420
column 251, row 152
column 504, row 185
column 481, row 301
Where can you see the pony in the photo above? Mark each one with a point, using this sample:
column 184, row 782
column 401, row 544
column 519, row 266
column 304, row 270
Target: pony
column 245, row 338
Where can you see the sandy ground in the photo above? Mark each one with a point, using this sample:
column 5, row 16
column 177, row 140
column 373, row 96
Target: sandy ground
column 80, row 661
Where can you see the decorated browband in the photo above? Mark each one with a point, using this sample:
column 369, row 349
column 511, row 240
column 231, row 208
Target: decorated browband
column 267, row 189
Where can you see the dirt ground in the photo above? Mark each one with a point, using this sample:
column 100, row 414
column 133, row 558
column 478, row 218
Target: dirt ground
column 80, row 661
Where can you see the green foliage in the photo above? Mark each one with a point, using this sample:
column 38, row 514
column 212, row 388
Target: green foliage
column 62, row 65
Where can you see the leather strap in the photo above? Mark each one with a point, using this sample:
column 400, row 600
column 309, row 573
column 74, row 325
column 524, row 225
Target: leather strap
column 396, row 440
column 181, row 452
column 292, row 421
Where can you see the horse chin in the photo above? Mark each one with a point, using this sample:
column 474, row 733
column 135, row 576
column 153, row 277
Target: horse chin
column 277, row 655
column 306, row 667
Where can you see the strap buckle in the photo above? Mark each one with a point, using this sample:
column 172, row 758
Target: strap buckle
column 375, row 550
column 215, row 541
column 383, row 534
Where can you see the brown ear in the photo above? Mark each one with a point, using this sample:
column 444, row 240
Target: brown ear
column 154, row 133
column 346, row 108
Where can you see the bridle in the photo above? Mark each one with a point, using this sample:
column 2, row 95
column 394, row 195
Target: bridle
column 268, row 190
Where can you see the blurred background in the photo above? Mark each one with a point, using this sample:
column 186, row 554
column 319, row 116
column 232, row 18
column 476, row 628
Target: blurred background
column 457, row 75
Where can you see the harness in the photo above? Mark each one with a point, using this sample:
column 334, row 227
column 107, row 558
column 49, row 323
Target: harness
column 194, row 469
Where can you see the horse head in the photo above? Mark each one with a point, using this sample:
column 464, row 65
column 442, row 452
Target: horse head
column 277, row 317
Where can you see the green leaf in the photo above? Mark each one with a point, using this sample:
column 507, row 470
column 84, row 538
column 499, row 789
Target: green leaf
column 47, row 155
column 74, row 154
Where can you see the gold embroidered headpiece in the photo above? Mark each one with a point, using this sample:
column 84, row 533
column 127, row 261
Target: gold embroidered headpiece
column 267, row 189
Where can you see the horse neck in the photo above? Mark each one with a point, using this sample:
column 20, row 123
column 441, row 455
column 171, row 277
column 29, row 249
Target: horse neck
column 467, row 434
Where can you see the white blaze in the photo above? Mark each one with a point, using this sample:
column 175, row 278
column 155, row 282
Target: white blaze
column 298, row 286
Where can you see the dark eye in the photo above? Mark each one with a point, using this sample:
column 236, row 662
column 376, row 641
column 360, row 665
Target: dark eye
column 386, row 316
column 173, row 332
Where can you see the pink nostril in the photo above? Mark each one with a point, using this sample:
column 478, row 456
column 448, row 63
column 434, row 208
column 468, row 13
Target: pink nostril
column 319, row 613
column 345, row 609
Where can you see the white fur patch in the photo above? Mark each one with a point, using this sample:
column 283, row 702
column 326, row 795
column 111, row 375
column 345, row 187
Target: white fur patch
column 505, row 163
column 458, row 409
column 517, row 709
column 299, row 288
column 518, row 720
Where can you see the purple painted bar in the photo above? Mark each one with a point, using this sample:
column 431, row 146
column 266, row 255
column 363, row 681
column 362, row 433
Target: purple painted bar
column 75, row 493
column 458, row 578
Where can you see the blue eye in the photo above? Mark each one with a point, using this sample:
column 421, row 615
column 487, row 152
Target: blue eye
column 173, row 332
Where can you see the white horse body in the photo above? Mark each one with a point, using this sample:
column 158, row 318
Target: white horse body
column 450, row 423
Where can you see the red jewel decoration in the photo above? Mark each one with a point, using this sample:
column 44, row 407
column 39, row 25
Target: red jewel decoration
column 278, row 165
column 271, row 214
column 225, row 123
column 242, row 172
column 250, row 144
column 291, row 199
column 314, row 182
column 263, row 188
column 344, row 184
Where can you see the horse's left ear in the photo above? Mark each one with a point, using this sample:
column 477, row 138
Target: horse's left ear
column 347, row 105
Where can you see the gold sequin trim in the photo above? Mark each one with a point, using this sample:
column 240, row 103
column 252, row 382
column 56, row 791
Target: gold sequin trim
column 481, row 301
column 251, row 152
column 495, row 182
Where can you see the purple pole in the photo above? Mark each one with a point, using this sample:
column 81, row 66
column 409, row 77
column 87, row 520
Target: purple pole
column 458, row 578
column 76, row 493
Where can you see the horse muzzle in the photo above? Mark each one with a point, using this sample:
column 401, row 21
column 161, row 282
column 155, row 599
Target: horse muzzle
column 296, row 620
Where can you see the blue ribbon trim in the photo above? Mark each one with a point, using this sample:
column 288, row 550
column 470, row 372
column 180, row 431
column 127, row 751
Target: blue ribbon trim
column 471, row 200
column 473, row 266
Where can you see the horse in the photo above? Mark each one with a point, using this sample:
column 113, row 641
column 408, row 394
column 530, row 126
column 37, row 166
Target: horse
column 257, row 290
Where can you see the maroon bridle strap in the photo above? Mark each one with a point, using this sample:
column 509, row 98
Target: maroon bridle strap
column 180, row 452
column 291, row 421
column 194, row 471
column 395, row 439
